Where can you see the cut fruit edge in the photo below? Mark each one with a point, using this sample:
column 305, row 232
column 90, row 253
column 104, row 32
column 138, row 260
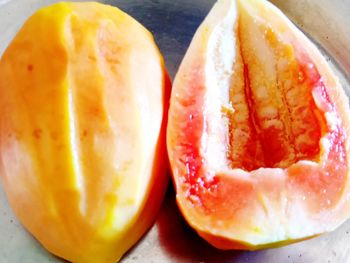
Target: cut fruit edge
column 295, row 195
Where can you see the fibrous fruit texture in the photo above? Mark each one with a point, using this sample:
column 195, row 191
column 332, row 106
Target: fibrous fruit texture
column 258, row 133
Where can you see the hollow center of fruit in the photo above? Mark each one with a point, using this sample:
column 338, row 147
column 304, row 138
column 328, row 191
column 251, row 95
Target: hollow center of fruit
column 273, row 119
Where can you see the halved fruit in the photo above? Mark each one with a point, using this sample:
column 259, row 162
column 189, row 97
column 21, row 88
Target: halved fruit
column 258, row 132
column 83, row 95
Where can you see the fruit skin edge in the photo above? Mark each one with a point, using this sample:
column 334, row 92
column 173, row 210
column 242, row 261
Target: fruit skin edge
column 158, row 179
column 191, row 71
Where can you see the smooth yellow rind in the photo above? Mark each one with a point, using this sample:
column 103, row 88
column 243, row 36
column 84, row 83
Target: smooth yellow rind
column 83, row 91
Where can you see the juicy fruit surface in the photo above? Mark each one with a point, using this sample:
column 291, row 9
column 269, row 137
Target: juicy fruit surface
column 258, row 131
column 83, row 91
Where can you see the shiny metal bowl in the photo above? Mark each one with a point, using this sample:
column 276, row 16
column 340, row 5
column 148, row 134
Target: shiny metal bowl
column 173, row 23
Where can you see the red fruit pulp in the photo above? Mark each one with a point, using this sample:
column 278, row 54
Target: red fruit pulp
column 259, row 145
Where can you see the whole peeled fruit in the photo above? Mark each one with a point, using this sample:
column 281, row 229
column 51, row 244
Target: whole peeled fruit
column 83, row 92
column 258, row 132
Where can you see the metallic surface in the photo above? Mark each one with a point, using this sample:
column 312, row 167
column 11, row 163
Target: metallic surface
column 173, row 23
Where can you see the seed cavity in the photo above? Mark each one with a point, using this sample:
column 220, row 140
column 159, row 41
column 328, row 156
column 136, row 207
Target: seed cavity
column 274, row 121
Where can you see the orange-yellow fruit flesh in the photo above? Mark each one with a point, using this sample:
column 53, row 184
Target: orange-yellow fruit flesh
column 275, row 122
column 245, row 146
column 83, row 92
